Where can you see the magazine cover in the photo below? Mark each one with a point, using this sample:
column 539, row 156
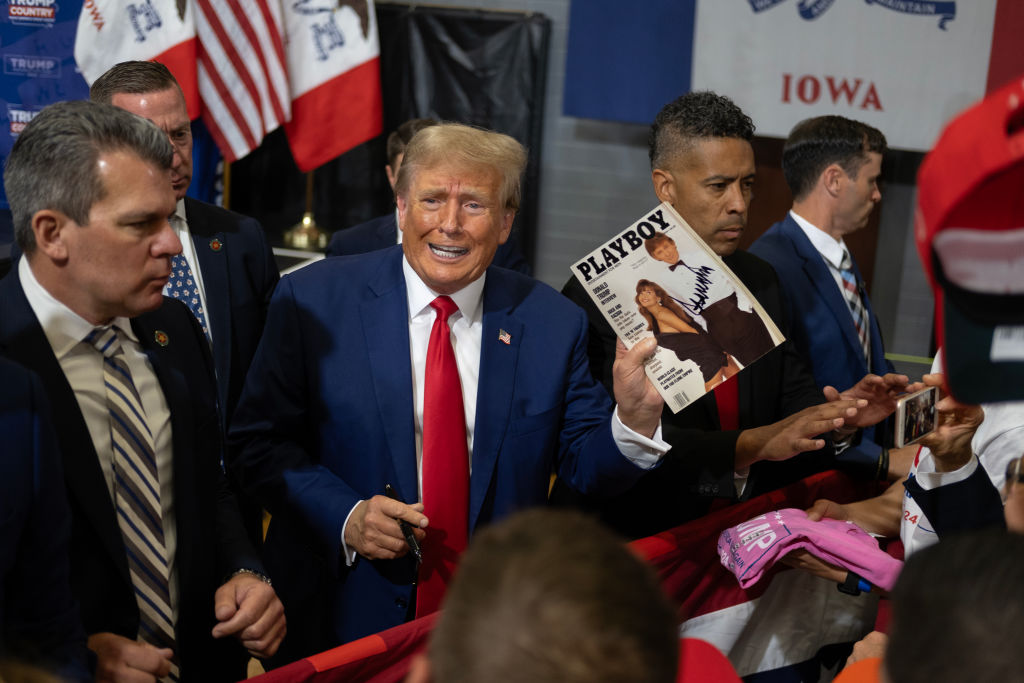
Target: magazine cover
column 659, row 279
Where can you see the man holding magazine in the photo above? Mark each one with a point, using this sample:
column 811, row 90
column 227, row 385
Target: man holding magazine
column 770, row 425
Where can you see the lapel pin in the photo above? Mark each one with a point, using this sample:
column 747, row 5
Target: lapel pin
column 504, row 337
column 216, row 244
column 160, row 337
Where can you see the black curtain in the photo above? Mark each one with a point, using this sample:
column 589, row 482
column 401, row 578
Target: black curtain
column 472, row 66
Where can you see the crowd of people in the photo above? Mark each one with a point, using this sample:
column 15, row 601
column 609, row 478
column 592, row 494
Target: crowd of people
column 395, row 407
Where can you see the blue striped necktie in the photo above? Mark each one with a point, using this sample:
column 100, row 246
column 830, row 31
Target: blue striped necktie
column 137, row 493
column 851, row 292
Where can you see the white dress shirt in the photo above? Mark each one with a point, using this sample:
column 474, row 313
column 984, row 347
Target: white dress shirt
column 466, row 326
column 188, row 249
column 82, row 364
column 831, row 249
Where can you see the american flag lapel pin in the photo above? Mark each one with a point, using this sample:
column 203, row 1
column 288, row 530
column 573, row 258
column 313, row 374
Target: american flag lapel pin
column 504, row 337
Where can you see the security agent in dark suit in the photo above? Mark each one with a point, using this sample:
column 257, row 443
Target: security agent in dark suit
column 39, row 620
column 382, row 232
column 832, row 165
column 232, row 266
column 703, row 164
column 89, row 186
column 232, row 262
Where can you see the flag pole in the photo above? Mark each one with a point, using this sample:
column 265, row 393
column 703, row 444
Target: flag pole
column 306, row 234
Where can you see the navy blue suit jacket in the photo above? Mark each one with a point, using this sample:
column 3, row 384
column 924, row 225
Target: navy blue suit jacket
column 326, row 420
column 820, row 323
column 39, row 620
column 382, row 232
column 212, row 541
column 239, row 276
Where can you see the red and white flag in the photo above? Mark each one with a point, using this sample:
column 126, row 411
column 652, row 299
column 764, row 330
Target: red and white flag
column 114, row 31
column 242, row 77
column 334, row 67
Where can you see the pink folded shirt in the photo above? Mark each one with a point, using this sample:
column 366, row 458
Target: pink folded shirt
column 751, row 548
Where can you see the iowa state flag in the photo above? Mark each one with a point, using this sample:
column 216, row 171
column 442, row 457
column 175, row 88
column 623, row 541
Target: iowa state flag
column 113, row 31
column 334, row 67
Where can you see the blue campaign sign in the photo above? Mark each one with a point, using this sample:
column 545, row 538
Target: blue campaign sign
column 627, row 59
column 37, row 42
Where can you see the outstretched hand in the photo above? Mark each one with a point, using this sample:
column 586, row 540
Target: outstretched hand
column 879, row 392
column 795, row 434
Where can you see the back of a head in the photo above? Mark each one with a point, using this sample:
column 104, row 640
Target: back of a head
column 815, row 144
column 400, row 137
column 468, row 147
column 134, row 77
column 553, row 597
column 694, row 116
column 53, row 163
column 958, row 612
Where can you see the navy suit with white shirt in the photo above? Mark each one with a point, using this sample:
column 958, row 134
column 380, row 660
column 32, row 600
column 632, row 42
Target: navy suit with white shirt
column 821, row 326
column 211, row 539
column 327, row 420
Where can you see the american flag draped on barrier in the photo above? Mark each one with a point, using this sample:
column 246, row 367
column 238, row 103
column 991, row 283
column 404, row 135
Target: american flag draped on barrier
column 769, row 631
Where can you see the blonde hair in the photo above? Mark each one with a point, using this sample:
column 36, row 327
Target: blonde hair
column 455, row 143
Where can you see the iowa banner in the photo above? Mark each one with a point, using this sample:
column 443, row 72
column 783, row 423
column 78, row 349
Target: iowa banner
column 904, row 66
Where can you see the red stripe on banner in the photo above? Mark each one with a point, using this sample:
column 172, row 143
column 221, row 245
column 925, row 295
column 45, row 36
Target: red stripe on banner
column 275, row 37
column 334, row 117
column 1006, row 61
column 213, row 125
column 260, row 49
column 238, row 66
column 181, row 60
column 349, row 652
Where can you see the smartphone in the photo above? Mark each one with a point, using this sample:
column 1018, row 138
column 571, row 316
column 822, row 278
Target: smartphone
column 915, row 416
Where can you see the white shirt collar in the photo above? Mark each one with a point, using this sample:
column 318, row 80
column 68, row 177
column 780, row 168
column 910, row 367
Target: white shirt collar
column 830, row 249
column 63, row 327
column 468, row 299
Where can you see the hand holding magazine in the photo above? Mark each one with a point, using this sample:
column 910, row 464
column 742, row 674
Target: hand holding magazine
column 658, row 278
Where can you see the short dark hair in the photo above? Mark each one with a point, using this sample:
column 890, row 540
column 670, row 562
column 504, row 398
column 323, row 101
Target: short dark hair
column 400, row 137
column 552, row 596
column 53, row 163
column 958, row 610
column 134, row 77
column 692, row 116
column 815, row 144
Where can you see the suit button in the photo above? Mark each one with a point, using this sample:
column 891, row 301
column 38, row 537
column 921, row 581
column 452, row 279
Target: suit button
column 401, row 603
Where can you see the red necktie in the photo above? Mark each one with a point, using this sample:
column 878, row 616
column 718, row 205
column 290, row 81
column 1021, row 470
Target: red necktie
column 445, row 464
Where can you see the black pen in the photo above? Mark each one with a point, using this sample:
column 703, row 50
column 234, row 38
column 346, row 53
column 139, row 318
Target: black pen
column 406, row 528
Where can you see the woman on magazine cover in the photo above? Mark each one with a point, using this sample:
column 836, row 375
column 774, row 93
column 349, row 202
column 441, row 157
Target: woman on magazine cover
column 676, row 331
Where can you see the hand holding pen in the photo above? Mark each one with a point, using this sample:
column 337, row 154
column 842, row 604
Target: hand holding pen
column 407, row 532
column 373, row 529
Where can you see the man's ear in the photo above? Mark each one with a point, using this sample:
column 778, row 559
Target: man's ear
column 832, row 179
column 50, row 229
column 419, row 669
column 392, row 175
column 403, row 207
column 664, row 185
column 506, row 225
